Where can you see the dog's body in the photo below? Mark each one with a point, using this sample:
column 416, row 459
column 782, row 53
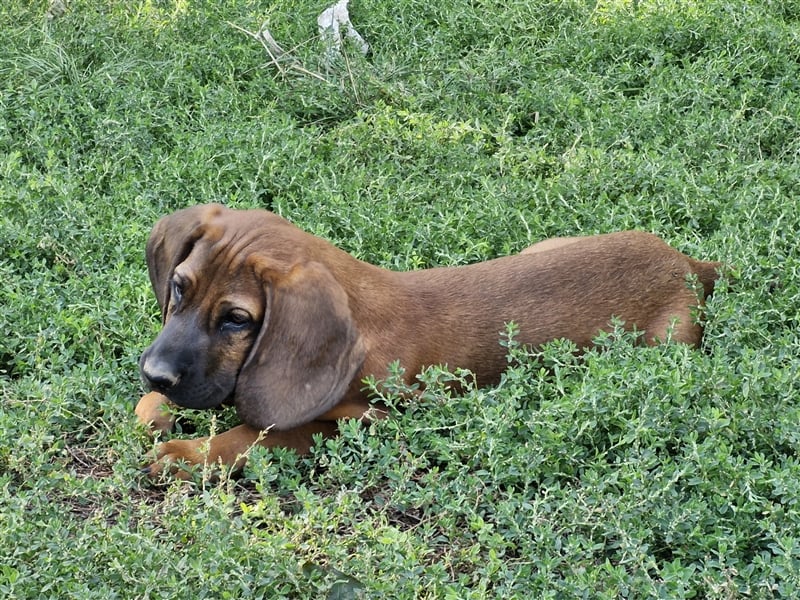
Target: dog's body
column 286, row 326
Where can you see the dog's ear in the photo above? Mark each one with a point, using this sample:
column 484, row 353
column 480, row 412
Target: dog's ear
column 306, row 354
column 170, row 243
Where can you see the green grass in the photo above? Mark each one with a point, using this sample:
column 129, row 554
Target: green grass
column 471, row 130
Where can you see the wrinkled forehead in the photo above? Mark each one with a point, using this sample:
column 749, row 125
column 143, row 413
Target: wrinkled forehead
column 218, row 265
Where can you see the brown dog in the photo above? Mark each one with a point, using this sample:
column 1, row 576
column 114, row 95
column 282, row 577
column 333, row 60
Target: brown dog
column 286, row 326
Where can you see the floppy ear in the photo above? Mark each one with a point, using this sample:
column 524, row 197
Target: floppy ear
column 170, row 243
column 306, row 354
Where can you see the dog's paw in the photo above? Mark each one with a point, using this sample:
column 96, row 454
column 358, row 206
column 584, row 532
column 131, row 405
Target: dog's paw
column 179, row 458
column 154, row 412
column 225, row 452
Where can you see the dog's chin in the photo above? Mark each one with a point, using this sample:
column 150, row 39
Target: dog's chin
column 201, row 401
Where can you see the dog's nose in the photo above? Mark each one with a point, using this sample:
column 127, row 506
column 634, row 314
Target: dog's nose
column 158, row 375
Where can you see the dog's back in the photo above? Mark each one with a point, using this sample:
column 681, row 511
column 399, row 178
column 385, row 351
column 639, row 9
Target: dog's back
column 561, row 288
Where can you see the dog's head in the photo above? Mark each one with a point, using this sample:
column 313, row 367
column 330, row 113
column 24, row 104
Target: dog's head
column 249, row 316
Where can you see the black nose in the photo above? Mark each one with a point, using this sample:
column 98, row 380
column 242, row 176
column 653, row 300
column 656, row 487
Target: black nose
column 158, row 375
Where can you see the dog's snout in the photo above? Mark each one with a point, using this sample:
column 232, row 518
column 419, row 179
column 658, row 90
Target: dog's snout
column 158, row 376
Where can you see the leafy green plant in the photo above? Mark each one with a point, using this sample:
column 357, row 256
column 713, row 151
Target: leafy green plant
column 471, row 130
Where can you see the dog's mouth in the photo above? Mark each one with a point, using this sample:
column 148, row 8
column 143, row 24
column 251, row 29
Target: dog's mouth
column 199, row 397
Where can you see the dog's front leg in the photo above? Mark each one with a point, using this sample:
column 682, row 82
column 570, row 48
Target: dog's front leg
column 230, row 448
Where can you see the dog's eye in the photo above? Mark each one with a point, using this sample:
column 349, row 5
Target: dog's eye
column 177, row 291
column 236, row 319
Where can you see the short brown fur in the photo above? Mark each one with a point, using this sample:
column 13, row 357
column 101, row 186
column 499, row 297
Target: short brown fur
column 286, row 326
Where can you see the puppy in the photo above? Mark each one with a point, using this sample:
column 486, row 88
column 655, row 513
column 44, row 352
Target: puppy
column 286, row 326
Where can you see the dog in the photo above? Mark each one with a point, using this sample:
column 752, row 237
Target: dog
column 286, row 326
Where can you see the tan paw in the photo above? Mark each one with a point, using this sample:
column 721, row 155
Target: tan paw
column 154, row 411
column 179, row 458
